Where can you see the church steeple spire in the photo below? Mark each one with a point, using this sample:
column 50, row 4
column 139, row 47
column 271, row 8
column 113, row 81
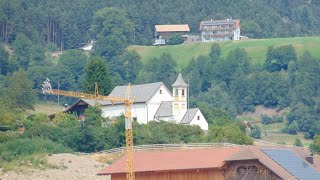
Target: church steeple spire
column 179, row 103
column 179, row 82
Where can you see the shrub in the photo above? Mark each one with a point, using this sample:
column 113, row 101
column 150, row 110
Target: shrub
column 292, row 128
column 315, row 145
column 298, row 142
column 266, row 119
column 255, row 132
column 26, row 152
column 230, row 133
column 8, row 136
column 278, row 119
column 175, row 39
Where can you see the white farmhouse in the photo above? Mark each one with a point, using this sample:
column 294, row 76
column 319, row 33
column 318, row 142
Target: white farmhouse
column 153, row 101
column 220, row 30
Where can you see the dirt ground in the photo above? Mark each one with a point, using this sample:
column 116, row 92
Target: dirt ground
column 65, row 167
column 260, row 110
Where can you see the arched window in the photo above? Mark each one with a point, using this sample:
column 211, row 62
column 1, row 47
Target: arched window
column 176, row 93
column 242, row 170
column 250, row 172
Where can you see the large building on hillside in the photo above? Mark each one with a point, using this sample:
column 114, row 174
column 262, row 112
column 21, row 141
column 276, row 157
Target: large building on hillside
column 219, row 163
column 153, row 101
column 220, row 30
column 163, row 32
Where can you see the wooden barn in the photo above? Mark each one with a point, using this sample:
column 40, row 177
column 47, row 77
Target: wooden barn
column 231, row 163
column 167, row 30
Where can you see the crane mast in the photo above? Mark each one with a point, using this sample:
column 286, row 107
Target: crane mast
column 127, row 101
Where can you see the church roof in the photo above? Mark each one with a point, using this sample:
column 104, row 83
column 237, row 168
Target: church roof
column 187, row 118
column 142, row 93
column 179, row 82
column 164, row 110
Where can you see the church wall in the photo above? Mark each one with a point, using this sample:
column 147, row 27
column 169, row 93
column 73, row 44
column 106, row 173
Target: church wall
column 199, row 120
column 155, row 101
column 139, row 111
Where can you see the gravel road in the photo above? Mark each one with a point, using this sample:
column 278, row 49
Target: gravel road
column 66, row 167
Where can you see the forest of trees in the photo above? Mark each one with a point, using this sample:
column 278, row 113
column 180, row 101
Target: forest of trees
column 67, row 24
column 221, row 87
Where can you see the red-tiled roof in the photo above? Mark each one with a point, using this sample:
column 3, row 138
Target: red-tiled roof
column 174, row 160
column 173, row 28
column 237, row 24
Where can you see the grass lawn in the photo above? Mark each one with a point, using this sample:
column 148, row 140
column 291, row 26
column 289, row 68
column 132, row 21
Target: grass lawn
column 47, row 108
column 256, row 49
column 272, row 133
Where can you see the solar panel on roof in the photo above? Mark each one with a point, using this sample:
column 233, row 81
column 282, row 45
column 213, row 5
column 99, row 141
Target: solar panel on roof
column 293, row 164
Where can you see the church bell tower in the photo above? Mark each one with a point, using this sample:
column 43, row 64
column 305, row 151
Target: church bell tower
column 179, row 103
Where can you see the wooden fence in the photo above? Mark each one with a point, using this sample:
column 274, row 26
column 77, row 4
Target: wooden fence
column 165, row 147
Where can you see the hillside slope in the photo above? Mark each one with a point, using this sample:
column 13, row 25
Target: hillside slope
column 256, row 49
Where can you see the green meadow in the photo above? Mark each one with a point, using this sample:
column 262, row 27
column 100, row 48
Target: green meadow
column 256, row 48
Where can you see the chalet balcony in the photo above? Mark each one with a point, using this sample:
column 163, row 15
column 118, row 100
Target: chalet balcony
column 218, row 35
column 217, row 28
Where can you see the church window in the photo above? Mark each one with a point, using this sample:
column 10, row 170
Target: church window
column 176, row 92
column 182, row 92
column 198, row 117
column 160, row 91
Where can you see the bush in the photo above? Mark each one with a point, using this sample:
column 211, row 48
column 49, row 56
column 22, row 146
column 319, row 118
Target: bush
column 266, row 119
column 278, row 119
column 26, row 152
column 293, row 128
column 8, row 136
column 298, row 142
column 230, row 133
column 175, row 39
column 315, row 145
column 255, row 132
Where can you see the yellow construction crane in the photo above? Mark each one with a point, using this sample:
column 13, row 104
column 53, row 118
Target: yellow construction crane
column 127, row 101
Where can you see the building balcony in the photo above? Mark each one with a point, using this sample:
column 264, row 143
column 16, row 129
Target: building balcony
column 217, row 28
column 218, row 35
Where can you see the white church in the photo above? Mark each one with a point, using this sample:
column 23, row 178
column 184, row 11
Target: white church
column 153, row 101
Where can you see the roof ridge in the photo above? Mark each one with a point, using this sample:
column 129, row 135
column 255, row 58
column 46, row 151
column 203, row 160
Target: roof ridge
column 139, row 84
column 189, row 117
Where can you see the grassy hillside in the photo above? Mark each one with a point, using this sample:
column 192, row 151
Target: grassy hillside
column 256, row 48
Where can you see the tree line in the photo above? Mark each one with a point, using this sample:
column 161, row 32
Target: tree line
column 66, row 25
column 221, row 87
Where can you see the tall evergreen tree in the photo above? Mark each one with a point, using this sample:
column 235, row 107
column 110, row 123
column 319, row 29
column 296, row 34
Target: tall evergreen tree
column 97, row 71
column 4, row 60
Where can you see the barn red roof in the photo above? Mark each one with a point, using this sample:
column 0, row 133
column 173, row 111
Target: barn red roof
column 172, row 28
column 174, row 160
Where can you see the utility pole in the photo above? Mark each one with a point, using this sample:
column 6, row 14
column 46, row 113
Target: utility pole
column 188, row 99
column 58, row 94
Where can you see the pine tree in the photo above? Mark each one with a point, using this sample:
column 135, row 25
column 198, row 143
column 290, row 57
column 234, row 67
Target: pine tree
column 97, row 71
